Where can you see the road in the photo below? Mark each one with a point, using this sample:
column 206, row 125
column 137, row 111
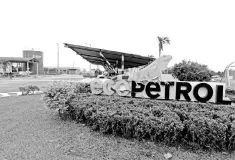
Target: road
column 12, row 85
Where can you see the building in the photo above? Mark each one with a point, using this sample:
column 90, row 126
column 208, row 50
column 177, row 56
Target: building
column 61, row 70
column 37, row 55
column 32, row 61
column 18, row 64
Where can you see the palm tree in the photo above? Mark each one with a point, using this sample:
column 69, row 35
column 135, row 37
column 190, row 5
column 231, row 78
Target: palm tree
column 162, row 40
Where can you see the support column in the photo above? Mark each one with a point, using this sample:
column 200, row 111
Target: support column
column 116, row 66
column 228, row 77
column 122, row 64
column 37, row 68
column 27, row 66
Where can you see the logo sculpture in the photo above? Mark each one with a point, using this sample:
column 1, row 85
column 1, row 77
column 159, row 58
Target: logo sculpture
column 147, row 83
column 152, row 72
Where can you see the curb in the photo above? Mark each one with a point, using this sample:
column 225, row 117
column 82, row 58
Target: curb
column 14, row 94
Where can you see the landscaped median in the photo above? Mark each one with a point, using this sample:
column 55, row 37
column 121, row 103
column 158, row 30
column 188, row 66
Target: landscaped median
column 26, row 90
column 173, row 122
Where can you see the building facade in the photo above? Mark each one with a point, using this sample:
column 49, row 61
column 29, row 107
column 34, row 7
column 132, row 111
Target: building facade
column 37, row 55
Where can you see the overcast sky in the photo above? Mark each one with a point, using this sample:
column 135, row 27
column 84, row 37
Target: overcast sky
column 199, row 30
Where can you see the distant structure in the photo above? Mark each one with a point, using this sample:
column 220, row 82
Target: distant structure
column 37, row 55
column 230, row 75
column 17, row 65
column 61, row 70
column 113, row 62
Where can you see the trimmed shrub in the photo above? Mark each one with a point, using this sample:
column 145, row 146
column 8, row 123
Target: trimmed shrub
column 230, row 91
column 58, row 95
column 28, row 89
column 207, row 125
column 127, row 120
column 173, row 122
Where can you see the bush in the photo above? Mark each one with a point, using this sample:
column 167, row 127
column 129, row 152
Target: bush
column 191, row 71
column 29, row 89
column 173, row 122
column 230, row 91
column 58, row 95
column 109, row 115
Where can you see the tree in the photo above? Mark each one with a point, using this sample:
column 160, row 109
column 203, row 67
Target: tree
column 98, row 72
column 213, row 73
column 221, row 74
column 161, row 42
column 191, row 71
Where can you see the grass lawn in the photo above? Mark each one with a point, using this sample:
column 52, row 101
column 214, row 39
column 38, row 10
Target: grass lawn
column 31, row 131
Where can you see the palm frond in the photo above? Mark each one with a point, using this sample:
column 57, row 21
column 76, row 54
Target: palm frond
column 159, row 39
column 168, row 41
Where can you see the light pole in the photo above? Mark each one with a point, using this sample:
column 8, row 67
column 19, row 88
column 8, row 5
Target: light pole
column 58, row 56
column 73, row 64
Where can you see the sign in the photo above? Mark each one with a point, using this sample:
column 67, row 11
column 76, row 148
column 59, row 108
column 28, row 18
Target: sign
column 180, row 90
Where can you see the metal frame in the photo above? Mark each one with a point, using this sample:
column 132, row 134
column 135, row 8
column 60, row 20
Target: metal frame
column 92, row 55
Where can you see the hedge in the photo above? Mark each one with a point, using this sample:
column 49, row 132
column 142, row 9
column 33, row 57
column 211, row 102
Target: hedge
column 230, row 94
column 30, row 89
column 172, row 122
column 60, row 93
column 230, row 91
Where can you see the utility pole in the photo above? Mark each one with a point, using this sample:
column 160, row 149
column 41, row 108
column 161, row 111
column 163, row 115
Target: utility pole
column 58, row 57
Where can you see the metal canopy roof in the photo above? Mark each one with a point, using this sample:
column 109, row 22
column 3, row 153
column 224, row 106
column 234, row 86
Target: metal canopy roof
column 18, row 59
column 92, row 55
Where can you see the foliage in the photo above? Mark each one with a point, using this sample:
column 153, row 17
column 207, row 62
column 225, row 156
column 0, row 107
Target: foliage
column 161, row 42
column 4, row 63
column 171, row 122
column 98, row 72
column 191, row 71
column 206, row 125
column 221, row 74
column 58, row 95
column 230, row 91
column 29, row 89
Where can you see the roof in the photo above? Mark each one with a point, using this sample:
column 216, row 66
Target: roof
column 92, row 55
column 18, row 59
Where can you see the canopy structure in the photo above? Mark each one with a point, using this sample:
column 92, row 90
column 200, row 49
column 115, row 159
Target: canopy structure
column 18, row 59
column 21, row 64
column 101, row 56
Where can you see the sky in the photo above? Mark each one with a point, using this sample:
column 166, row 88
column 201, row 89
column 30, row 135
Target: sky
column 199, row 30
